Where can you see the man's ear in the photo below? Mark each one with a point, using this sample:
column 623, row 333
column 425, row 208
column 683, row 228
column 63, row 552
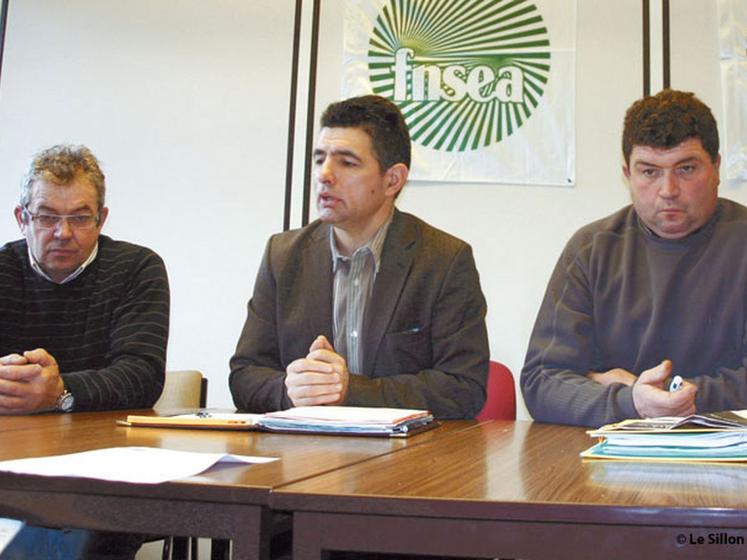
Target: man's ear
column 396, row 178
column 21, row 217
column 626, row 170
column 102, row 216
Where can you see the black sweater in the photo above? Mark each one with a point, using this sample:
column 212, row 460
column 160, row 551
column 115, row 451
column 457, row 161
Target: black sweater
column 107, row 328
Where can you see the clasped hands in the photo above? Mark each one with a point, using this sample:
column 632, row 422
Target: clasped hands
column 29, row 382
column 650, row 397
column 321, row 377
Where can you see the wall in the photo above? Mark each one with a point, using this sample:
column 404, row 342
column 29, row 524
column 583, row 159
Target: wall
column 187, row 108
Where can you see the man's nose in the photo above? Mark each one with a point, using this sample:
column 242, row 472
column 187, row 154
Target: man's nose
column 324, row 173
column 669, row 187
column 63, row 229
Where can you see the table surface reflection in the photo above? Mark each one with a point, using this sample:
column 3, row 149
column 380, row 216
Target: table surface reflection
column 301, row 456
column 228, row 501
column 519, row 485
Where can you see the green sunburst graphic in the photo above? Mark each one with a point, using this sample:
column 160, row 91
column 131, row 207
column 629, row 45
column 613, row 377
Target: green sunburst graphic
column 465, row 73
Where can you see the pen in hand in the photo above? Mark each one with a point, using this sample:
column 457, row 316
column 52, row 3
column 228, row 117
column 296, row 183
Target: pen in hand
column 676, row 383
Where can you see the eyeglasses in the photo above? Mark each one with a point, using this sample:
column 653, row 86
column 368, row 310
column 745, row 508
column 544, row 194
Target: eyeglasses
column 75, row 221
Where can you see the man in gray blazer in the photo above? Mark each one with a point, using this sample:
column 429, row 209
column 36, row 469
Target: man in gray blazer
column 366, row 306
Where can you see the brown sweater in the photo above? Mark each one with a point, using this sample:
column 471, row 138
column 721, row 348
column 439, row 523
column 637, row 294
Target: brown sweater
column 621, row 297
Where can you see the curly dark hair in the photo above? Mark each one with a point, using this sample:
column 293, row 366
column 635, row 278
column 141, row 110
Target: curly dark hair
column 380, row 119
column 667, row 119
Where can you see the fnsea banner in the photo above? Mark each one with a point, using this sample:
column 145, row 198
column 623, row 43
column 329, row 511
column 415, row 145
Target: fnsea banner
column 486, row 86
column 733, row 48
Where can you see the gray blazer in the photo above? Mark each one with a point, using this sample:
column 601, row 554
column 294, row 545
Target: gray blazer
column 424, row 337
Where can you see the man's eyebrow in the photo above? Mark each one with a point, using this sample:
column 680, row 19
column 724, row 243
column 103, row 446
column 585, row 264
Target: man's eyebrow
column 337, row 152
column 644, row 163
column 49, row 210
column 688, row 159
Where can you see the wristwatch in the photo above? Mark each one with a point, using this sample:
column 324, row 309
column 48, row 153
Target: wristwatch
column 65, row 402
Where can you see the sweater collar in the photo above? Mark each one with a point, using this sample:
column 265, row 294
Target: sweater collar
column 689, row 240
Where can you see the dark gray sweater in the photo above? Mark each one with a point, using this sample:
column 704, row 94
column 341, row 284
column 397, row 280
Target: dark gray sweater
column 107, row 328
column 622, row 297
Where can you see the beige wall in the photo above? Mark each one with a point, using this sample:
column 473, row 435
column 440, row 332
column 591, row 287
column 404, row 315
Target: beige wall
column 186, row 105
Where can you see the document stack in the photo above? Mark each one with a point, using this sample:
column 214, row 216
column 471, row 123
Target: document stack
column 334, row 420
column 719, row 436
column 348, row 420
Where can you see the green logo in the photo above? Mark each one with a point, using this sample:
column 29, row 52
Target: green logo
column 465, row 73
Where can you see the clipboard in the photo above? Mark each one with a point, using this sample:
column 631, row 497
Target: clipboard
column 198, row 420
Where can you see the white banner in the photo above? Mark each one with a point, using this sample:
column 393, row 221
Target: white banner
column 487, row 87
column 733, row 47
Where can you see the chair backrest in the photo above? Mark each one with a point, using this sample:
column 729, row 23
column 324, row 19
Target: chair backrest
column 500, row 403
column 183, row 389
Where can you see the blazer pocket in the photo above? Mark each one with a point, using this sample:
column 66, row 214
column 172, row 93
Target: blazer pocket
column 410, row 331
column 409, row 350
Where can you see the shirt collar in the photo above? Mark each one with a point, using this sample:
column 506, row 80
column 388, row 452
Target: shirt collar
column 72, row 276
column 375, row 245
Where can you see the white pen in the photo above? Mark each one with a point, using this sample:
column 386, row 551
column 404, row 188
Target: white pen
column 676, row 384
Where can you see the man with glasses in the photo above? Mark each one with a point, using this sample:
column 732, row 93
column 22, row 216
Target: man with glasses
column 85, row 318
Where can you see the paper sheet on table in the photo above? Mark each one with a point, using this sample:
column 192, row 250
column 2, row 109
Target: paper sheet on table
column 8, row 529
column 348, row 415
column 143, row 465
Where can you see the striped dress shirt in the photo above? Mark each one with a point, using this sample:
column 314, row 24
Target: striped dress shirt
column 354, row 278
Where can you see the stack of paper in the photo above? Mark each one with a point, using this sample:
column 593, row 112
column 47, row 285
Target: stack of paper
column 343, row 420
column 703, row 437
column 347, row 419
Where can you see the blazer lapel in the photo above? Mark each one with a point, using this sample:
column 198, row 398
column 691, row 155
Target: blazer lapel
column 396, row 261
column 317, row 267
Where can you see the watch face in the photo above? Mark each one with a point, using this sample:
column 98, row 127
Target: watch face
column 65, row 402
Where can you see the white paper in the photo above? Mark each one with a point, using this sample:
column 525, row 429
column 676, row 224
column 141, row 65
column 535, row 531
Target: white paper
column 143, row 465
column 8, row 530
column 348, row 414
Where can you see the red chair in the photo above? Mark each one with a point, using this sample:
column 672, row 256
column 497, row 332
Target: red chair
column 500, row 402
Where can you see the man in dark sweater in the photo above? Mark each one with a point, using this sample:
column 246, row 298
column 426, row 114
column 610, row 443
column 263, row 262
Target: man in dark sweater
column 659, row 288
column 85, row 318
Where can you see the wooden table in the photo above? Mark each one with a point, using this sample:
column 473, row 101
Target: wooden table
column 520, row 490
column 226, row 502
